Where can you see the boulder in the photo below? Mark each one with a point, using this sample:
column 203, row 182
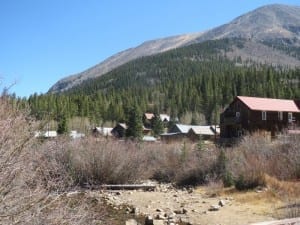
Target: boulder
column 214, row 208
column 149, row 220
column 222, row 203
column 158, row 222
column 131, row 222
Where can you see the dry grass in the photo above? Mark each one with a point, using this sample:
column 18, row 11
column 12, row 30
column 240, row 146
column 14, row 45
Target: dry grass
column 33, row 172
column 32, row 175
column 288, row 192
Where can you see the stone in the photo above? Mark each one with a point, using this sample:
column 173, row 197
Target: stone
column 158, row 222
column 222, row 203
column 135, row 210
column 178, row 211
column 160, row 217
column 184, row 211
column 190, row 190
column 170, row 215
column 214, row 208
column 131, row 222
column 149, row 220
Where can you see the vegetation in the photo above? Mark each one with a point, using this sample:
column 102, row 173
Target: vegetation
column 190, row 83
column 193, row 80
column 35, row 175
column 134, row 123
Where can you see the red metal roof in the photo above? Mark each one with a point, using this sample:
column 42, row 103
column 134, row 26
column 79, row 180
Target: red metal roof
column 269, row 104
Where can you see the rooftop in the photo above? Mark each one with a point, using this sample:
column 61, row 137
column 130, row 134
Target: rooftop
column 269, row 104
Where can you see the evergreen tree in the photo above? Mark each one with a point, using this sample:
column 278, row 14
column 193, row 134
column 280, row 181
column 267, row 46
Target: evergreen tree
column 134, row 123
column 157, row 125
column 62, row 125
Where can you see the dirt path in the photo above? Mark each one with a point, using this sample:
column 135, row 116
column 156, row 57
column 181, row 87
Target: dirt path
column 195, row 206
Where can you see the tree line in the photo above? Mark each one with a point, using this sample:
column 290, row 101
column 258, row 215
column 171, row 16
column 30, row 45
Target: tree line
column 194, row 80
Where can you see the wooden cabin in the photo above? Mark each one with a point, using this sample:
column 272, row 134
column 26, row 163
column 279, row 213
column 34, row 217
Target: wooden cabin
column 250, row 114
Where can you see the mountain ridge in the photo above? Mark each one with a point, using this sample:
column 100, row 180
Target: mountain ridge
column 265, row 24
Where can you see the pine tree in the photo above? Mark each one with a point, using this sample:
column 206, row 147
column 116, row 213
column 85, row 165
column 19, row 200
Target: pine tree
column 157, row 125
column 134, row 123
column 62, row 125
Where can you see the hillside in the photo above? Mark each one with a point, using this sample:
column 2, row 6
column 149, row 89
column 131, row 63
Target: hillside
column 197, row 79
column 273, row 32
column 145, row 49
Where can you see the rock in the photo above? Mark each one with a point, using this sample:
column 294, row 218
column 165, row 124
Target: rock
column 131, row 222
column 222, row 203
column 135, row 210
column 160, row 217
column 214, row 208
column 184, row 210
column 178, row 211
column 159, row 210
column 190, row 190
column 170, row 215
column 149, row 220
column 158, row 222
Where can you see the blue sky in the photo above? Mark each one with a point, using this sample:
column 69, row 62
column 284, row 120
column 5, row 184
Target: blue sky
column 42, row 41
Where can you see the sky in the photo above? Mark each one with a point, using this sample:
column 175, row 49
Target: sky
column 43, row 41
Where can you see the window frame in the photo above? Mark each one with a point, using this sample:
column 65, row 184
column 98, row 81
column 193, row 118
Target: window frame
column 290, row 117
column 280, row 115
column 264, row 115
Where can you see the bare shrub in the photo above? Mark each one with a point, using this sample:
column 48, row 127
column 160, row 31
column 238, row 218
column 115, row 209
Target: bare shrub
column 257, row 156
column 100, row 161
column 16, row 178
column 183, row 164
column 29, row 172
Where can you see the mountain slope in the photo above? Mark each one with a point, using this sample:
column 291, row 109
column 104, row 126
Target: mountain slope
column 269, row 28
column 268, row 22
column 145, row 49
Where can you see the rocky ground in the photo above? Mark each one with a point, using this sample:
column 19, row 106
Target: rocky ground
column 167, row 205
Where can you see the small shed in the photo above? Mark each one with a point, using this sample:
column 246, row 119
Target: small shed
column 203, row 132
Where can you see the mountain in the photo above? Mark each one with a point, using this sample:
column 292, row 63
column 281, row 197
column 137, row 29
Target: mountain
column 265, row 23
column 145, row 49
column 273, row 34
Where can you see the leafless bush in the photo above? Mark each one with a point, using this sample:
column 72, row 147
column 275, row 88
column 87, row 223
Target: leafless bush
column 256, row 156
column 29, row 172
column 16, row 178
column 99, row 161
column 183, row 164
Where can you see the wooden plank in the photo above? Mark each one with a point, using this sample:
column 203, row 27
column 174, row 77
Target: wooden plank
column 128, row 187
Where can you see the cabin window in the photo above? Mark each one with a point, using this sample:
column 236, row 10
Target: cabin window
column 290, row 117
column 280, row 115
column 264, row 115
